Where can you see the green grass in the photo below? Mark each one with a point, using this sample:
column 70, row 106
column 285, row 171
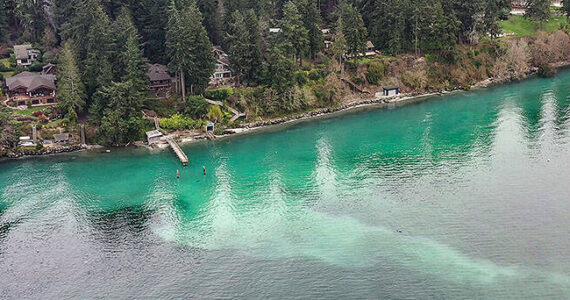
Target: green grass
column 29, row 112
column 522, row 26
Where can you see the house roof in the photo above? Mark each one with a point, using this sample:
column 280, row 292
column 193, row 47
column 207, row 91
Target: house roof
column 369, row 44
column 158, row 72
column 61, row 137
column 21, row 51
column 30, row 81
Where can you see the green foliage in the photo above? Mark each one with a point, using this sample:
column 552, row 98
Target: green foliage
column 294, row 37
column 39, row 146
column 301, row 78
column 36, row 67
column 280, row 72
column 222, row 94
column 196, row 106
column 214, row 113
column 538, row 11
column 180, row 122
column 353, row 30
column 522, row 26
column 375, row 72
column 71, row 91
column 189, row 47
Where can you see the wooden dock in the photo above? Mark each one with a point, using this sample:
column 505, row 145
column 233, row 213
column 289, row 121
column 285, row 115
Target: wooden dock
column 181, row 155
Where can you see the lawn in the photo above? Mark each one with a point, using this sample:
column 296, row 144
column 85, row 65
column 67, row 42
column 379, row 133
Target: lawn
column 522, row 26
column 29, row 112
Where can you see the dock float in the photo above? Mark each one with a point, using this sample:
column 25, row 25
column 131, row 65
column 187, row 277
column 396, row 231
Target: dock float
column 181, row 155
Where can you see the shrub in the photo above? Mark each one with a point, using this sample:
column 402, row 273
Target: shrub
column 39, row 146
column 301, row 78
column 36, row 67
column 315, row 75
column 196, row 106
column 219, row 94
column 375, row 72
column 215, row 113
column 179, row 122
column 38, row 113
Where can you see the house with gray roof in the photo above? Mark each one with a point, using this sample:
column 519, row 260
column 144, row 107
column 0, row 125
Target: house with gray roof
column 25, row 55
column 32, row 89
column 159, row 77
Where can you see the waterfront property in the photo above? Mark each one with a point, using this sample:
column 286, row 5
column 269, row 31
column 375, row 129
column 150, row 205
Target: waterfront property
column 25, row 55
column 391, row 91
column 159, row 77
column 222, row 74
column 31, row 89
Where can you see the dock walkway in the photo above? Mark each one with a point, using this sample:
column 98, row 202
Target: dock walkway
column 178, row 151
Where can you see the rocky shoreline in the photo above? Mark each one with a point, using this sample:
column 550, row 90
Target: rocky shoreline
column 44, row 151
column 252, row 126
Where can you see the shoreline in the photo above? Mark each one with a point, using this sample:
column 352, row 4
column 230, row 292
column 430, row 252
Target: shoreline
column 185, row 139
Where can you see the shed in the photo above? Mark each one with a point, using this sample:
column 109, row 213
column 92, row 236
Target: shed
column 61, row 138
column 370, row 46
column 210, row 127
column 391, row 91
column 154, row 137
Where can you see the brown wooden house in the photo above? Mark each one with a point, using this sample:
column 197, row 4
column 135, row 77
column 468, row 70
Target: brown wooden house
column 32, row 89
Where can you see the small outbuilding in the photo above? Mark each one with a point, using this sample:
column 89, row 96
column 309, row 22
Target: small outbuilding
column 154, row 137
column 210, row 127
column 61, row 138
column 391, row 91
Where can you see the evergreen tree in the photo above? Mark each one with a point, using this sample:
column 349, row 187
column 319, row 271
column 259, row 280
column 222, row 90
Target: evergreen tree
column 189, row 48
column 121, row 121
column 494, row 9
column 312, row 20
column 438, row 29
column 281, row 71
column 31, row 17
column 354, row 30
column 239, row 51
column 70, row 88
column 470, row 14
column 254, row 44
column 150, row 17
column 294, row 37
column 97, row 65
column 538, row 11
column 49, row 40
column 209, row 9
column 3, row 22
column 122, row 29
column 339, row 45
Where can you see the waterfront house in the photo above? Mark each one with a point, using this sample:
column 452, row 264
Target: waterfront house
column 32, row 89
column 160, row 79
column 25, row 55
column 222, row 73
column 154, row 137
column 391, row 91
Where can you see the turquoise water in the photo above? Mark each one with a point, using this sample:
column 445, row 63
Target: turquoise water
column 462, row 196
